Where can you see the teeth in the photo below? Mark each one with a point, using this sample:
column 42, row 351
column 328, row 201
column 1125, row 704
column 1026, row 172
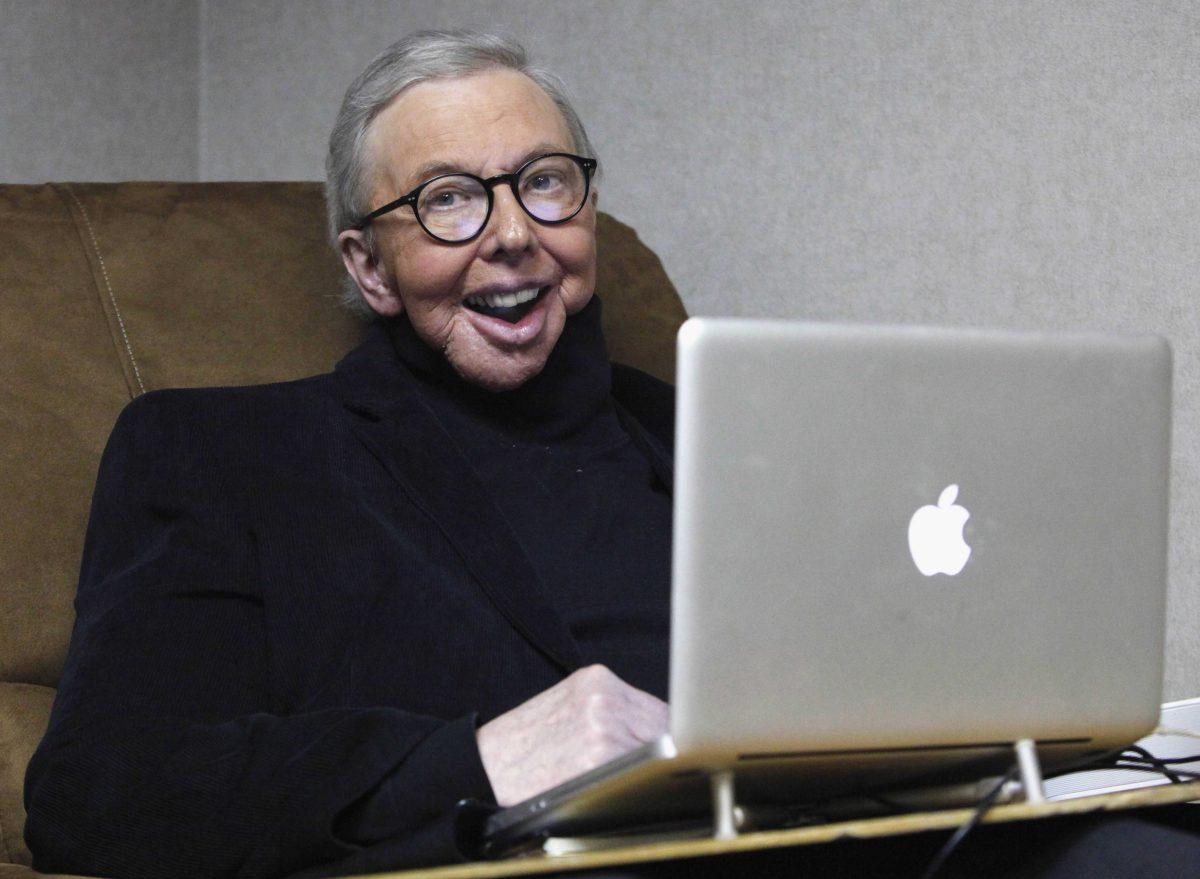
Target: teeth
column 505, row 300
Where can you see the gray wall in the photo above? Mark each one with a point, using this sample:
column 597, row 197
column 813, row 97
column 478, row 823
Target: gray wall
column 98, row 90
column 1022, row 164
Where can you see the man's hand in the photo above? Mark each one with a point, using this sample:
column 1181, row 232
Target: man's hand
column 576, row 725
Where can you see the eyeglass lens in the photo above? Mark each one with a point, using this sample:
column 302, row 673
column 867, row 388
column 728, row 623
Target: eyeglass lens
column 455, row 207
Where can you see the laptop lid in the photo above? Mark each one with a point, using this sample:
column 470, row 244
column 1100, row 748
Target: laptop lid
column 805, row 618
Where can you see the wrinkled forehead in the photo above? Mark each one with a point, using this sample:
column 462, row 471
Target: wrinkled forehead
column 484, row 123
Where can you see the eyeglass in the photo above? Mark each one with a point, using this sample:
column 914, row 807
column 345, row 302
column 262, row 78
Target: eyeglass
column 455, row 207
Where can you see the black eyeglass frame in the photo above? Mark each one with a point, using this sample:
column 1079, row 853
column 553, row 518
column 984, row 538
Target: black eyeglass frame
column 588, row 166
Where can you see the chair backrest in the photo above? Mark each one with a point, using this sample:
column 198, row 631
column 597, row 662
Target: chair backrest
column 111, row 290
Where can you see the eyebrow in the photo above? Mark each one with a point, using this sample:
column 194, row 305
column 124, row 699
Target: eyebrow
column 436, row 168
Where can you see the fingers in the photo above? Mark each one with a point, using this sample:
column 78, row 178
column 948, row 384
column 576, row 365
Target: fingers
column 586, row 720
column 621, row 712
column 646, row 716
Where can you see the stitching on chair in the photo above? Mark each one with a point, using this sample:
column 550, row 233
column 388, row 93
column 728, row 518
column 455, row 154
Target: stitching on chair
column 4, row 850
column 108, row 287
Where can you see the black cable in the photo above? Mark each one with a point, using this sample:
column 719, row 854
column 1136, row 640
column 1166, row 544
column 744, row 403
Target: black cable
column 1145, row 761
column 1146, row 757
column 1194, row 758
column 1176, row 776
column 1138, row 756
column 1141, row 761
column 971, row 823
column 1134, row 758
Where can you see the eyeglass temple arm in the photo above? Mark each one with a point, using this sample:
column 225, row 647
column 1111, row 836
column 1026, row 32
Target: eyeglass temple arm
column 390, row 206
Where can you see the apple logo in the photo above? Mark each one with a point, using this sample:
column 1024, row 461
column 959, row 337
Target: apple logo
column 935, row 536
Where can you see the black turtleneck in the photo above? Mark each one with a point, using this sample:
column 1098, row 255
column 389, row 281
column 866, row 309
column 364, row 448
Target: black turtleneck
column 579, row 495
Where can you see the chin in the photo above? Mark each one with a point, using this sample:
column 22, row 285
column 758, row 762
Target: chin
column 499, row 377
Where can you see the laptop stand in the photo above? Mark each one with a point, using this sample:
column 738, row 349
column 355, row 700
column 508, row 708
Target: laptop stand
column 1031, row 771
column 725, row 823
column 728, row 816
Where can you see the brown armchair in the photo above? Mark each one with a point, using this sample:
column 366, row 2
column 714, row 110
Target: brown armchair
column 111, row 290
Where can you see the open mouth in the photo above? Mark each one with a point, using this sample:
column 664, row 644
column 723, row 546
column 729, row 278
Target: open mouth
column 509, row 307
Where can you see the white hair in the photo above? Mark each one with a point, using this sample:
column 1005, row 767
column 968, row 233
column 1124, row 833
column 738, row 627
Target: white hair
column 417, row 58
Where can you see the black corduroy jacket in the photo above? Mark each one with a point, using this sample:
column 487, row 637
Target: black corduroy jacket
column 289, row 594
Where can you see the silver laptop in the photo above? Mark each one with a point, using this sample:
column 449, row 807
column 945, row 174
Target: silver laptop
column 897, row 551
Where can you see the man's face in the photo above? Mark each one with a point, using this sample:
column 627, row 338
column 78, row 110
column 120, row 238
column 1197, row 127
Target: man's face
column 484, row 124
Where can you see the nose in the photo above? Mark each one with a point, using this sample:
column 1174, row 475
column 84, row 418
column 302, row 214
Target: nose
column 509, row 230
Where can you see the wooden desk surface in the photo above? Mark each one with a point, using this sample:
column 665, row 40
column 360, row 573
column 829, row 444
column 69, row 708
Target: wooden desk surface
column 768, row 839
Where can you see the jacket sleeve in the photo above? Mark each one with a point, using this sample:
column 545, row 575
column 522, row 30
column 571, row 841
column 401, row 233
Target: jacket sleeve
column 165, row 753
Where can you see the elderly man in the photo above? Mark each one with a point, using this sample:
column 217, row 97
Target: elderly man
column 317, row 620
column 315, row 616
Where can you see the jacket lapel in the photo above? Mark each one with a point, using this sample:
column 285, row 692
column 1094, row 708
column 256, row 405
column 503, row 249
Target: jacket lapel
column 402, row 433
column 660, row 460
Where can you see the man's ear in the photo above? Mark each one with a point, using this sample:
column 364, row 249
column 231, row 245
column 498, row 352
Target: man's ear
column 369, row 274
